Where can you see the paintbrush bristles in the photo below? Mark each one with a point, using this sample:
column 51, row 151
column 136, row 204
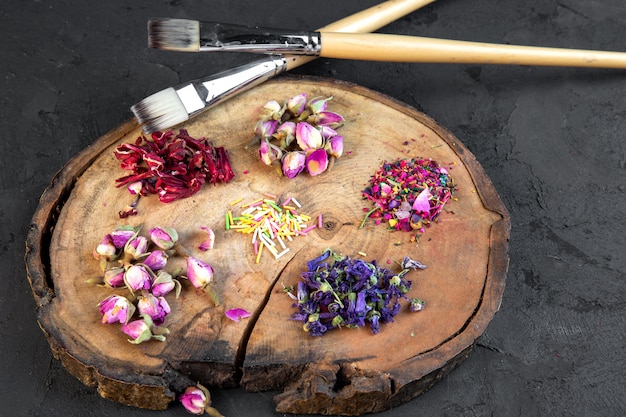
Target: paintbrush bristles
column 174, row 34
column 160, row 111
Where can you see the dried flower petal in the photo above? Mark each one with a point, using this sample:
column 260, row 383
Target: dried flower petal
column 421, row 203
column 236, row 314
column 210, row 240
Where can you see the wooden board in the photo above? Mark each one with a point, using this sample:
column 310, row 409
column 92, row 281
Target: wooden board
column 348, row 371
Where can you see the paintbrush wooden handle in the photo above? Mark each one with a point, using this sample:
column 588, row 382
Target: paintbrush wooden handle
column 367, row 20
column 399, row 48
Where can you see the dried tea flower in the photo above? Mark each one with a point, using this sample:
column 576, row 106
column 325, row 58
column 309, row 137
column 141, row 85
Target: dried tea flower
column 304, row 141
column 337, row 291
column 164, row 237
column 116, row 309
column 408, row 194
column 138, row 278
column 142, row 330
column 197, row 400
column 135, row 263
column 156, row 308
column 171, row 166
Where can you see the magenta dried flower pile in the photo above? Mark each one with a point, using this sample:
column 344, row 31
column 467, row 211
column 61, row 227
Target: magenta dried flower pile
column 337, row 291
column 408, row 194
column 173, row 166
column 299, row 135
column 138, row 264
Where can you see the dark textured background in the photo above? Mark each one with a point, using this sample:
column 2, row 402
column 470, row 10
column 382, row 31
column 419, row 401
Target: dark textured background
column 551, row 139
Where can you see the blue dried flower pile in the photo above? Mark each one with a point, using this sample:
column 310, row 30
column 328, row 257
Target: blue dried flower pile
column 337, row 291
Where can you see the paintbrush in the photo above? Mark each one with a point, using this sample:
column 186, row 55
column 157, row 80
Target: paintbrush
column 197, row 36
column 177, row 104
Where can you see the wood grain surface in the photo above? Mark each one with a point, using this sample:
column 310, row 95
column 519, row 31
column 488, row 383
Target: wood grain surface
column 348, row 371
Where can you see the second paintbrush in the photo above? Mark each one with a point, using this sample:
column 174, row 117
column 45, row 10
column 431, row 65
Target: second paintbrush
column 197, row 36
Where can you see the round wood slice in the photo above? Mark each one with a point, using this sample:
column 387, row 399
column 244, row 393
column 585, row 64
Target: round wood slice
column 346, row 371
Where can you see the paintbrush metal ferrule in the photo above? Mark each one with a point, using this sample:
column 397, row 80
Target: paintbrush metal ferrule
column 178, row 104
column 198, row 36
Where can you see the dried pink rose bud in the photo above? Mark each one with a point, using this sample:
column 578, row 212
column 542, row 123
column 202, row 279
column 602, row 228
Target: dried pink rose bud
column 137, row 247
column 286, row 133
column 116, row 309
column 164, row 237
column 308, row 137
column 265, row 128
column 318, row 104
column 155, row 307
column 137, row 278
column 334, row 146
column 141, row 330
column 293, row 164
column 296, row 104
column 156, row 260
column 163, row 284
column 114, row 277
column 106, row 249
column 269, row 153
column 195, row 399
column 122, row 235
column 329, row 118
column 316, row 162
column 199, row 273
column 272, row 110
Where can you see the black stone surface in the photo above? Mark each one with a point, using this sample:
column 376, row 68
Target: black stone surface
column 551, row 139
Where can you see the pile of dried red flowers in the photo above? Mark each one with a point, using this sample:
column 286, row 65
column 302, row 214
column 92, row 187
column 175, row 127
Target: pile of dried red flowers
column 409, row 194
column 171, row 166
column 299, row 135
column 337, row 291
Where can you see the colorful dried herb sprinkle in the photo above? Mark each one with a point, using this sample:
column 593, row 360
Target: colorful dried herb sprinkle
column 270, row 223
column 408, row 194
